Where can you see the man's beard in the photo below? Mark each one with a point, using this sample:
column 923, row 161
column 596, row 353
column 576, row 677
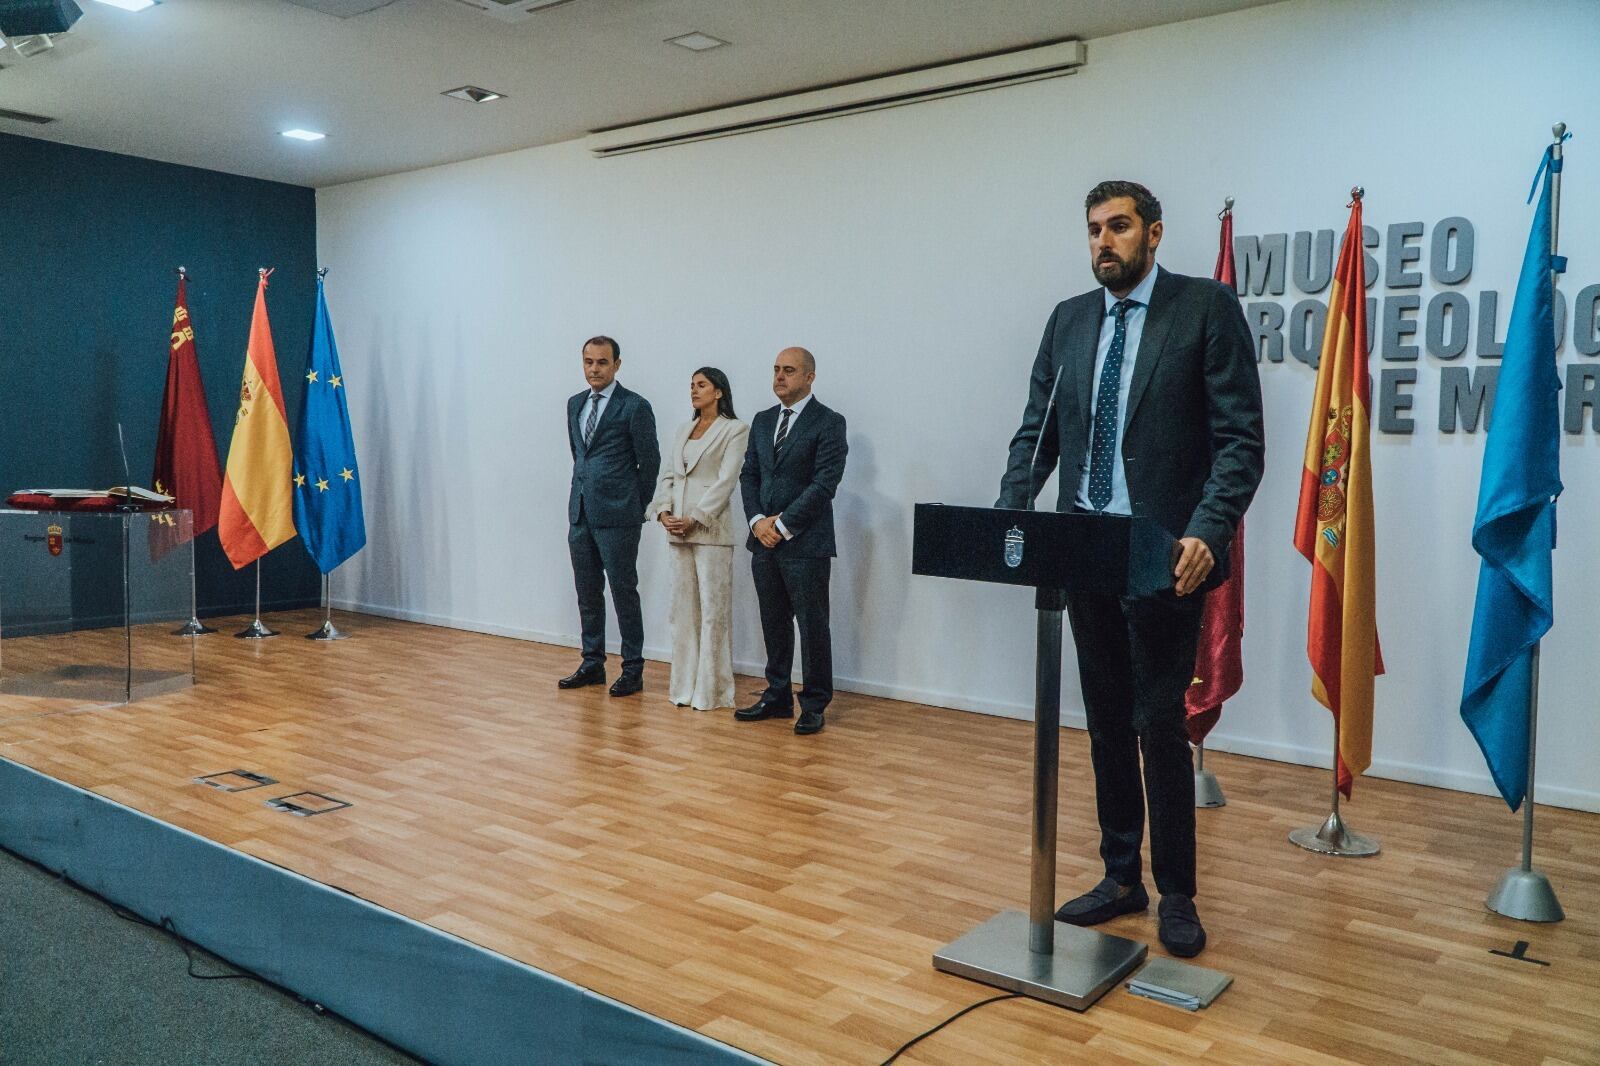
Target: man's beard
column 1115, row 274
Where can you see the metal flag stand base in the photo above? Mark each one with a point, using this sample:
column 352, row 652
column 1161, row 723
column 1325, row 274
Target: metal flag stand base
column 327, row 630
column 1523, row 892
column 257, row 629
column 192, row 628
column 1207, row 789
column 1035, row 955
column 1331, row 837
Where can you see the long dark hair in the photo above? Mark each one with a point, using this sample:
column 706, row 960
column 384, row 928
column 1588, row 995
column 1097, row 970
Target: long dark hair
column 718, row 380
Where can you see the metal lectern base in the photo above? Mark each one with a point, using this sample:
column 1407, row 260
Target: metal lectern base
column 1527, row 896
column 1084, row 966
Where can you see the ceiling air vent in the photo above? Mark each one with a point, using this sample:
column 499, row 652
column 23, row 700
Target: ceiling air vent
column 23, row 116
column 510, row 10
column 871, row 94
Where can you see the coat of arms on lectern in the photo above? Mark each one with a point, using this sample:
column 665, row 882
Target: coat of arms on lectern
column 53, row 539
column 1013, row 547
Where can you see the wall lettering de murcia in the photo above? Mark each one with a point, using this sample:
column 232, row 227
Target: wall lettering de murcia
column 1460, row 333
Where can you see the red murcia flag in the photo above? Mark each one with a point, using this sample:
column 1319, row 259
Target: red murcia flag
column 1218, row 666
column 186, row 453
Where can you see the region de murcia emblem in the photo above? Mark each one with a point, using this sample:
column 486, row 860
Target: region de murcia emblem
column 53, row 540
column 1013, row 547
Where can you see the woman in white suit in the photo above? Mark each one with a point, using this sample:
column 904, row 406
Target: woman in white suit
column 692, row 501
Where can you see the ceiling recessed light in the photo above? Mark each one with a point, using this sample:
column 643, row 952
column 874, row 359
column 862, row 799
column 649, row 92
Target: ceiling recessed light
column 474, row 94
column 304, row 135
column 697, row 41
column 131, row 5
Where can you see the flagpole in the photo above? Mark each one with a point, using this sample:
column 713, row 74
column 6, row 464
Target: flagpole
column 193, row 627
column 256, row 630
column 1207, row 789
column 327, row 631
column 1523, row 892
column 1333, row 837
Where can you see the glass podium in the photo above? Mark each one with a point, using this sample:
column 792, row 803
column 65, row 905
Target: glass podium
column 88, row 601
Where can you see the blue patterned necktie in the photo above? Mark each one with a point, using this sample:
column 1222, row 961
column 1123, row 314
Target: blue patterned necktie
column 1103, row 442
column 594, row 416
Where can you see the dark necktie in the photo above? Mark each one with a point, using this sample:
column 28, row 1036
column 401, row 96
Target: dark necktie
column 783, row 431
column 1103, row 442
column 594, row 416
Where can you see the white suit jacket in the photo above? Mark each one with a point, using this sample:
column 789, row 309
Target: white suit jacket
column 703, row 490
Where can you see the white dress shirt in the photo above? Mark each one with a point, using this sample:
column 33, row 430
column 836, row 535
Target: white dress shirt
column 1134, row 330
column 797, row 408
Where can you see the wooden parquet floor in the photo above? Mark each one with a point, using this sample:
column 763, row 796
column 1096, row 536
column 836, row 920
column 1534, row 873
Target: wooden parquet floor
column 785, row 894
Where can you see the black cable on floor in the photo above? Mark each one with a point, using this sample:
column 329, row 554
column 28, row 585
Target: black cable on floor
column 965, row 1010
column 166, row 926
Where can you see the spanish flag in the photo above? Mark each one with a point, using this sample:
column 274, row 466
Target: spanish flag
column 257, row 496
column 1333, row 528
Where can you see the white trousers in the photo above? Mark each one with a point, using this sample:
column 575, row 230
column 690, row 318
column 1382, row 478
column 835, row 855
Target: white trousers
column 702, row 631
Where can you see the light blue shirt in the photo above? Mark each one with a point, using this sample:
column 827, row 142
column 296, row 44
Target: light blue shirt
column 1134, row 329
column 589, row 401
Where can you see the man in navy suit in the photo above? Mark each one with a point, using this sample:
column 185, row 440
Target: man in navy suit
column 615, row 459
column 1146, row 390
column 792, row 468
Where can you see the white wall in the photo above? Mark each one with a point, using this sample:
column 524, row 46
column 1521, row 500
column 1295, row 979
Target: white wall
column 918, row 252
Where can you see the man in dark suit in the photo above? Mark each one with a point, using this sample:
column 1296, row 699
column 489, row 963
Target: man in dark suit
column 792, row 468
column 615, row 459
column 1157, row 412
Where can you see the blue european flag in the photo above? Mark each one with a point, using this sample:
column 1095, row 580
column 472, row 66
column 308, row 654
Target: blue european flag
column 327, row 482
column 1515, row 528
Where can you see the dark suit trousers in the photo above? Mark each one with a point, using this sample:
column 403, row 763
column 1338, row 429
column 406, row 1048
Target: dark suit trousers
column 790, row 591
column 1136, row 660
column 607, row 554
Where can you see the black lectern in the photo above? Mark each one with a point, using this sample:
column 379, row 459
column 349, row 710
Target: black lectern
column 1053, row 552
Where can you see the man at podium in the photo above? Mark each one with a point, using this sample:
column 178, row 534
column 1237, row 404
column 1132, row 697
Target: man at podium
column 1146, row 397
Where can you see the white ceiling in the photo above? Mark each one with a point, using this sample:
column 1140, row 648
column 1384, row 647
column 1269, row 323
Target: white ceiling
column 211, row 83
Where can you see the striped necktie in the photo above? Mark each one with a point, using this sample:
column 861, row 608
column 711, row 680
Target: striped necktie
column 783, row 431
column 594, row 416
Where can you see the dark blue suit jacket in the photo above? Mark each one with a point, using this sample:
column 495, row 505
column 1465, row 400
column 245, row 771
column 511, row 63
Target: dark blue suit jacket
column 799, row 485
column 615, row 474
column 1192, row 443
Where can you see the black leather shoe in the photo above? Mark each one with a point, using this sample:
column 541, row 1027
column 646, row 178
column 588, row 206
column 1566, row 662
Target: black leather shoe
column 1179, row 927
column 630, row 682
column 587, row 674
column 1102, row 903
column 762, row 709
column 810, row 722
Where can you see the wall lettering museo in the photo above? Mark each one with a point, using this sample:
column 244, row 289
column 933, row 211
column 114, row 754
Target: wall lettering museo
column 1459, row 332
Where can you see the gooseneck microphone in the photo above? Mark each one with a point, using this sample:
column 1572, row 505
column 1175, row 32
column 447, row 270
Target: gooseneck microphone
column 128, row 502
column 1033, row 477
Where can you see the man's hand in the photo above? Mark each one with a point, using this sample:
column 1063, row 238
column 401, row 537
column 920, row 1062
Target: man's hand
column 1194, row 562
column 766, row 532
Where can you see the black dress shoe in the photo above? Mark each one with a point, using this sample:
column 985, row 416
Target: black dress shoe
column 1179, row 927
column 762, row 709
column 587, row 674
column 1103, row 902
column 810, row 722
column 630, row 682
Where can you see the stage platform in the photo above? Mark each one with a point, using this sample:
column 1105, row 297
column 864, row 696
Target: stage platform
column 779, row 895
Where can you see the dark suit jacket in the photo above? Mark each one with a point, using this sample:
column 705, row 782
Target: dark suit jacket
column 800, row 487
column 613, row 477
column 1192, row 442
